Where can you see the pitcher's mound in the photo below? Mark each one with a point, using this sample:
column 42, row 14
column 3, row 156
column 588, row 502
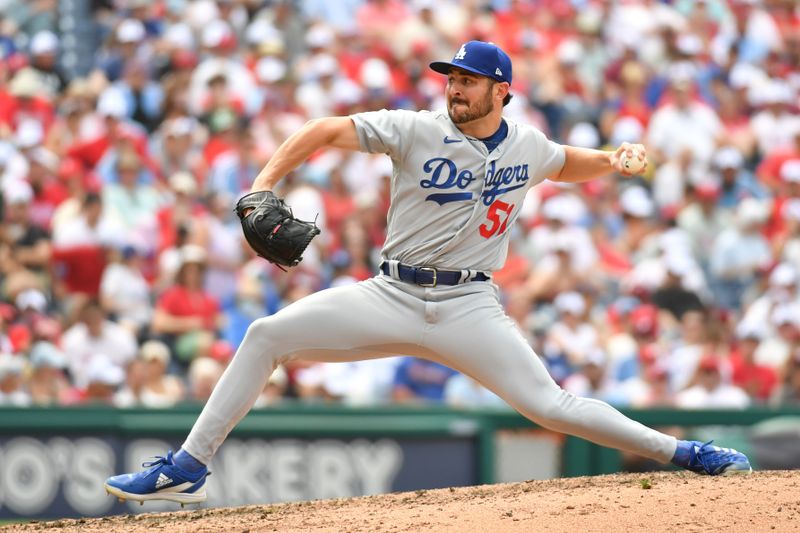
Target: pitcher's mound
column 660, row 502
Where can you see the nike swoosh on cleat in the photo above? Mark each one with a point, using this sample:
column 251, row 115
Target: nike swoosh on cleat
column 448, row 140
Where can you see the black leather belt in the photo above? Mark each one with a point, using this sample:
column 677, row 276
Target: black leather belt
column 429, row 276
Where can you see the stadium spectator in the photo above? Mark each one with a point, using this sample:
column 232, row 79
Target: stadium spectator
column 93, row 338
column 572, row 338
column 129, row 394
column 788, row 393
column 47, row 384
column 129, row 199
column 203, row 375
column 274, row 391
column 103, row 377
column 185, row 314
column 463, row 392
column 738, row 253
column 158, row 390
column 758, row 380
column 590, row 379
column 12, row 392
column 30, row 243
column 79, row 245
column 672, row 295
column 419, row 381
column 124, row 291
column 710, row 391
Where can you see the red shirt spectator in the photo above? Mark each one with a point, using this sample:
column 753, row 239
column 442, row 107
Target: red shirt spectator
column 757, row 380
column 186, row 307
column 185, row 302
column 22, row 102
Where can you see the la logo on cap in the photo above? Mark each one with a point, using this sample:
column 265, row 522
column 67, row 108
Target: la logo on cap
column 461, row 54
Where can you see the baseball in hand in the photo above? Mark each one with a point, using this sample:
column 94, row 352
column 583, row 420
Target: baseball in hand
column 632, row 164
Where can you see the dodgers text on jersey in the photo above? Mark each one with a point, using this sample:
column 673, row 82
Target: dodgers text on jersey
column 443, row 174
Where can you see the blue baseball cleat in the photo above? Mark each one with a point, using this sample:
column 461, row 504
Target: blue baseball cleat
column 163, row 480
column 716, row 461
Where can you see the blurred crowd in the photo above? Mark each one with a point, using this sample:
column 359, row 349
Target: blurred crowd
column 125, row 279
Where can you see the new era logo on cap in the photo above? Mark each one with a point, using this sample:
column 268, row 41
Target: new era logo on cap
column 485, row 59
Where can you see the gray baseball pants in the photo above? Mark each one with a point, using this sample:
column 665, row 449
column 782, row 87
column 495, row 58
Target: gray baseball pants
column 462, row 326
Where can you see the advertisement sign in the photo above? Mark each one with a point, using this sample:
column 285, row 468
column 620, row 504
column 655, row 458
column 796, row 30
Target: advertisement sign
column 55, row 477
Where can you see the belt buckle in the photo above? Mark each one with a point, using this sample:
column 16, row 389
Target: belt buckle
column 432, row 271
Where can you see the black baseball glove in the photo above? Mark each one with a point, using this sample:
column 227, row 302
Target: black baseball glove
column 271, row 229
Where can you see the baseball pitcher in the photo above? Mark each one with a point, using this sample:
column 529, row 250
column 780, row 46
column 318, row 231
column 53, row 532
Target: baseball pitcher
column 458, row 184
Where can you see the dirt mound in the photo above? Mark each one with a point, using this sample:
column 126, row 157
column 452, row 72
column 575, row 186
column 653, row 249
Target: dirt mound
column 673, row 501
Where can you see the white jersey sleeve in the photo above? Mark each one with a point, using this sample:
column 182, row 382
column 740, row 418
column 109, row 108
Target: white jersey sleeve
column 386, row 132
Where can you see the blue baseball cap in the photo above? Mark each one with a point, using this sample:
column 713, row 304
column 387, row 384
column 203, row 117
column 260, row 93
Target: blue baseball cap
column 485, row 59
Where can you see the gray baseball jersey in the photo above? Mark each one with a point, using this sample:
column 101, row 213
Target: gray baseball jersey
column 453, row 201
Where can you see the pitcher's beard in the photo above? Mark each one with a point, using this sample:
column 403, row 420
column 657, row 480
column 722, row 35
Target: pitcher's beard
column 478, row 110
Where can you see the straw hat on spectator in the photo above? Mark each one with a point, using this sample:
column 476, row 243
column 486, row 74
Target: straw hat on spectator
column 25, row 84
column 192, row 253
column 183, row 182
column 153, row 350
column 204, row 368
